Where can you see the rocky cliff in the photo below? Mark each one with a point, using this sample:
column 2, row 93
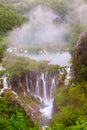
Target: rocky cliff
column 80, row 58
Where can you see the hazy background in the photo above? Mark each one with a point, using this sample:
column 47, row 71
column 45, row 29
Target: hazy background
column 49, row 23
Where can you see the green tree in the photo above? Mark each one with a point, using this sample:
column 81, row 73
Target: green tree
column 2, row 47
column 8, row 20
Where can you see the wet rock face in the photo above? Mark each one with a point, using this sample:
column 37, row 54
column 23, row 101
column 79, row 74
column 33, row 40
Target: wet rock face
column 20, row 84
column 27, row 83
column 80, row 58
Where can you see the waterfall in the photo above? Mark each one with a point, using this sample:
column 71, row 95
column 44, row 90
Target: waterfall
column 5, row 84
column 68, row 76
column 43, row 91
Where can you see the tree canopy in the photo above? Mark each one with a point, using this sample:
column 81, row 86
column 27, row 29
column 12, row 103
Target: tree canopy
column 8, row 18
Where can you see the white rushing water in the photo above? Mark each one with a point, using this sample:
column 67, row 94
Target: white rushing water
column 47, row 99
column 68, row 76
column 43, row 93
column 5, row 85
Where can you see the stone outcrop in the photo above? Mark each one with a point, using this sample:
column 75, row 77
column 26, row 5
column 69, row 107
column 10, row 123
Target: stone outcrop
column 80, row 58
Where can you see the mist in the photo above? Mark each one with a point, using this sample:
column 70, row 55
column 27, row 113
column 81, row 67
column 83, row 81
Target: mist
column 45, row 28
column 42, row 28
column 82, row 14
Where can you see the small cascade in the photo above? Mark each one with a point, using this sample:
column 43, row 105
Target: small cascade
column 52, row 87
column 27, row 83
column 67, row 76
column 5, row 84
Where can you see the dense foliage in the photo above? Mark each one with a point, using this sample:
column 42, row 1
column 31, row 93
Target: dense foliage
column 12, row 116
column 71, row 108
column 8, row 19
column 2, row 46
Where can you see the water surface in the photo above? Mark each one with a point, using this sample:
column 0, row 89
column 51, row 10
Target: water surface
column 60, row 58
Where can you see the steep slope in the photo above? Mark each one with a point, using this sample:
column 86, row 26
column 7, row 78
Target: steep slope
column 80, row 58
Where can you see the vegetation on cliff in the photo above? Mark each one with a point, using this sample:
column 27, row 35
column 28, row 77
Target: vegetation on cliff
column 70, row 107
column 17, row 66
column 8, row 20
column 80, row 58
column 13, row 116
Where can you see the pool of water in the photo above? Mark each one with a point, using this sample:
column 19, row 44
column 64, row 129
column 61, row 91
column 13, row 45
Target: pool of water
column 60, row 58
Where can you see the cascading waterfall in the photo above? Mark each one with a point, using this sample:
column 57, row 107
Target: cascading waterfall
column 44, row 93
column 40, row 86
column 47, row 102
column 6, row 86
